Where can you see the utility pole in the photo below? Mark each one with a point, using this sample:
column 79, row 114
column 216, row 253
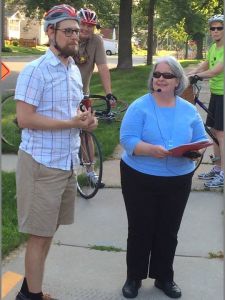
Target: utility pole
column 2, row 18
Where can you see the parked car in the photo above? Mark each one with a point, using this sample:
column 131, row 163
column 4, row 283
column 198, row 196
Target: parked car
column 111, row 46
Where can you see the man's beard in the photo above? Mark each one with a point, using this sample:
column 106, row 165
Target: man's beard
column 67, row 51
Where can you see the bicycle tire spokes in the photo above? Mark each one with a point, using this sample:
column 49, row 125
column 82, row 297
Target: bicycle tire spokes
column 100, row 105
column 90, row 161
column 117, row 110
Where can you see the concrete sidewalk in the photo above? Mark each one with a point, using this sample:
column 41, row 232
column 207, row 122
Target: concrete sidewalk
column 76, row 272
column 111, row 170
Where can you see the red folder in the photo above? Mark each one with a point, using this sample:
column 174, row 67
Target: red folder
column 180, row 150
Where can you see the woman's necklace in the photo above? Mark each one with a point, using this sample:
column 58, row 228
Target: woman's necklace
column 166, row 128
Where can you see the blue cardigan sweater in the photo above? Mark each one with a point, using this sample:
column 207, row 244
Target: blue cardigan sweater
column 165, row 126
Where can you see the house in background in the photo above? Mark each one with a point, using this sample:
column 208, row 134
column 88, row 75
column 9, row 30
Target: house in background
column 109, row 33
column 29, row 32
column 12, row 24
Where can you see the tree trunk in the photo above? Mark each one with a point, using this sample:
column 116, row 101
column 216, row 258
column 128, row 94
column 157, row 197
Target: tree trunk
column 155, row 42
column 198, row 37
column 125, row 49
column 199, row 43
column 150, row 43
column 186, row 49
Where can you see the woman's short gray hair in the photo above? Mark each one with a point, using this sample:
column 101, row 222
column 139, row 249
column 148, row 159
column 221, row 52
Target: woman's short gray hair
column 176, row 69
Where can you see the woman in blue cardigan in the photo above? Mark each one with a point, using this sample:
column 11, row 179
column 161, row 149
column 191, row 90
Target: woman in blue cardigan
column 155, row 184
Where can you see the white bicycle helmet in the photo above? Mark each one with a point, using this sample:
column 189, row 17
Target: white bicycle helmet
column 87, row 16
column 59, row 13
column 216, row 18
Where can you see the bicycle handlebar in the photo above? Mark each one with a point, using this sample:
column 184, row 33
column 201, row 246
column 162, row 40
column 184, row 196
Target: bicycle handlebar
column 194, row 79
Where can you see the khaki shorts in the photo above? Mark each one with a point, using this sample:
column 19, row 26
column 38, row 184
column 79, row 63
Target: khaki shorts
column 45, row 196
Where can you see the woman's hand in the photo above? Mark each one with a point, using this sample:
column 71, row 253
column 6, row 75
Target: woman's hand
column 159, row 151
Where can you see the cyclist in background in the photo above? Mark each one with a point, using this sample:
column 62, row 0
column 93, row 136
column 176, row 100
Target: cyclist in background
column 213, row 68
column 91, row 51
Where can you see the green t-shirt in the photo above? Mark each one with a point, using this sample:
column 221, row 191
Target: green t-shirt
column 215, row 55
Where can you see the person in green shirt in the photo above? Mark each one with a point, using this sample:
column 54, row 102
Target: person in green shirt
column 213, row 69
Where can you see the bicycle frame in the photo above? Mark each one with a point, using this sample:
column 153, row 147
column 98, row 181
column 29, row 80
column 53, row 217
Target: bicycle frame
column 202, row 105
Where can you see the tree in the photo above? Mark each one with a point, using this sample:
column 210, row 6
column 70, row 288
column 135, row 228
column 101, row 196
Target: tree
column 105, row 9
column 144, row 13
column 125, row 49
column 194, row 13
column 151, row 12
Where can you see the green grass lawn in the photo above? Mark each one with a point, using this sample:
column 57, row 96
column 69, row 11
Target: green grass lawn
column 11, row 238
column 24, row 51
column 127, row 85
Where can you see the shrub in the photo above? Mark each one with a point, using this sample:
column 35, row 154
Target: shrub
column 6, row 49
column 15, row 43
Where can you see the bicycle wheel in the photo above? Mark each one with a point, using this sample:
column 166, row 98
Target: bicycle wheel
column 90, row 155
column 100, row 105
column 10, row 130
column 198, row 161
column 117, row 110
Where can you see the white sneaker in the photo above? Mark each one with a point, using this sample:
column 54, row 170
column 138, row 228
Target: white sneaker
column 217, row 181
column 93, row 178
column 210, row 175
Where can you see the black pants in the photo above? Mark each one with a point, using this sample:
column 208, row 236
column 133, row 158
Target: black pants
column 215, row 119
column 155, row 206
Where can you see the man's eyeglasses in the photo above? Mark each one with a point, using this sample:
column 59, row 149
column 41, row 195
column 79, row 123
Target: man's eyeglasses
column 69, row 31
column 164, row 75
column 220, row 28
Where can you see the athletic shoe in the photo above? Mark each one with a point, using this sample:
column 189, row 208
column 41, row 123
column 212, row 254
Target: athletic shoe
column 48, row 297
column 210, row 175
column 93, row 178
column 21, row 296
column 217, row 181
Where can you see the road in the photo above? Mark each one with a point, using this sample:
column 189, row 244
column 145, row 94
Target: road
column 16, row 64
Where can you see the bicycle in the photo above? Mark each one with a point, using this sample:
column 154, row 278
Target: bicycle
column 90, row 153
column 104, row 112
column 191, row 94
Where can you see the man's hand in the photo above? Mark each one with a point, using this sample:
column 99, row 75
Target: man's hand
column 112, row 99
column 85, row 120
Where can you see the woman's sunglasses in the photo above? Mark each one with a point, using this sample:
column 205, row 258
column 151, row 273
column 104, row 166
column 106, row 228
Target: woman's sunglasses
column 220, row 28
column 164, row 75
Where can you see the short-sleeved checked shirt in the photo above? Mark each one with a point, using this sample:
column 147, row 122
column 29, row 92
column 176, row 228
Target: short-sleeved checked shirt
column 56, row 91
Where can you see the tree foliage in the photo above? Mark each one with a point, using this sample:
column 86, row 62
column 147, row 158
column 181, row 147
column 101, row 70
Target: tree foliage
column 193, row 14
column 181, row 20
column 106, row 10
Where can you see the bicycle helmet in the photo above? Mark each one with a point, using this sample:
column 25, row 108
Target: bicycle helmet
column 87, row 16
column 59, row 13
column 216, row 18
